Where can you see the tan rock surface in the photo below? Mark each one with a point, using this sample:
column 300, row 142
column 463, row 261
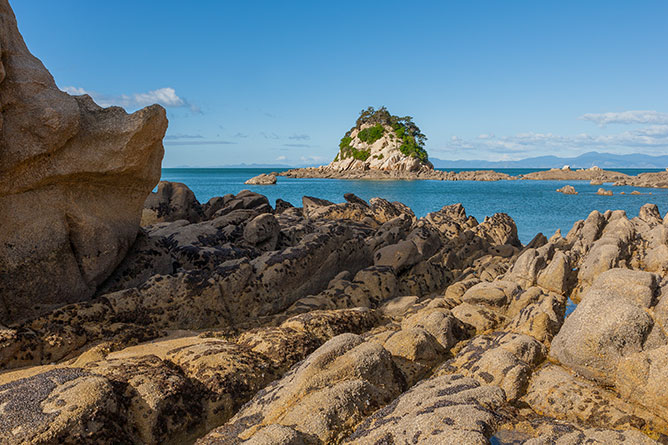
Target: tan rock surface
column 87, row 170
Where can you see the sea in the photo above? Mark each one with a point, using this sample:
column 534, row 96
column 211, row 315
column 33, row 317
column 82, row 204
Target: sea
column 534, row 205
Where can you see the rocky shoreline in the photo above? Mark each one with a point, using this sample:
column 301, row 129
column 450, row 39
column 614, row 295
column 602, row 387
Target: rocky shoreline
column 374, row 174
column 236, row 321
column 136, row 317
column 595, row 175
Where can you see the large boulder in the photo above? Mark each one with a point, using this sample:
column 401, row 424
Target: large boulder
column 450, row 409
column 73, row 179
column 338, row 385
column 612, row 322
column 171, row 202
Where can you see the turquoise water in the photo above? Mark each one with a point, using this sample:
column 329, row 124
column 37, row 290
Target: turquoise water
column 534, row 205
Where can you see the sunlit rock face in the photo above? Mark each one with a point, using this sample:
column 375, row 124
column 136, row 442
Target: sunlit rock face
column 73, row 180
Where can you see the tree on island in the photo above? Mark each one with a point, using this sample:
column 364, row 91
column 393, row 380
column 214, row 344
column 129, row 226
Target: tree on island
column 379, row 121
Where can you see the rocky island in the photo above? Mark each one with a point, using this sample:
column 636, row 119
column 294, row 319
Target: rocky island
column 132, row 316
column 385, row 146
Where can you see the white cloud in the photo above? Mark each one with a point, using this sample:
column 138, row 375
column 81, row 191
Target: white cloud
column 166, row 97
column 281, row 158
column 626, row 117
column 313, row 159
column 650, row 140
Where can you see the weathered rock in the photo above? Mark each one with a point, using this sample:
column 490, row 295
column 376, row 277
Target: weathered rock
column 451, row 409
column 502, row 359
column 171, row 202
column 228, row 375
column 159, row 402
column 244, row 200
column 273, row 435
column 641, row 378
column 262, row 179
column 494, row 294
column 438, row 322
column 415, row 352
column 593, row 436
column 87, row 170
column 67, row 406
column 399, row 256
column 325, row 396
column 480, row 318
column 556, row 392
column 610, row 323
column 397, row 307
column 541, row 315
column 282, row 206
column 262, row 231
column 354, row 199
column 604, row 192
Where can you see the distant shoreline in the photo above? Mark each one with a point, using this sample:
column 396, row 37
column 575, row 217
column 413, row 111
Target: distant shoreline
column 657, row 179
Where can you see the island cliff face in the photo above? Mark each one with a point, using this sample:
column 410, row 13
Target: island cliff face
column 73, row 179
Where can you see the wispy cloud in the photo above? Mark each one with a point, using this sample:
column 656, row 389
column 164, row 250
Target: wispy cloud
column 240, row 135
column 626, row 117
column 299, row 137
column 166, row 97
column 297, row 145
column 651, row 139
column 312, row 159
column 281, row 158
column 269, row 135
column 183, row 136
column 199, row 142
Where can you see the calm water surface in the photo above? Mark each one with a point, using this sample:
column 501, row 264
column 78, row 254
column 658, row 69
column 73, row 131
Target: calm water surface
column 534, row 205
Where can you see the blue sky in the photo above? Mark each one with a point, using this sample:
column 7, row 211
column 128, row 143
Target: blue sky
column 281, row 82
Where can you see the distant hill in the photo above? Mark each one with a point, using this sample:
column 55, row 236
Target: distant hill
column 586, row 160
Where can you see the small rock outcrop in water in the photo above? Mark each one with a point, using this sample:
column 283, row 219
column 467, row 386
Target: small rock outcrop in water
column 73, row 178
column 604, row 192
column 262, row 179
column 567, row 190
column 352, row 322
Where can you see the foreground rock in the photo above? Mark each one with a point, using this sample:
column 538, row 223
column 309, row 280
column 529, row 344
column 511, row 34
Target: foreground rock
column 86, row 169
column 262, row 179
column 352, row 322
